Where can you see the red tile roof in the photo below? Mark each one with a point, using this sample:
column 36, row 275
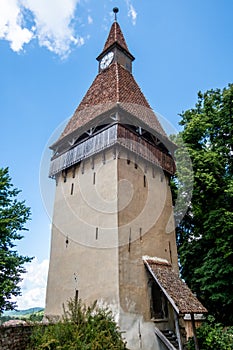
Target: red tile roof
column 115, row 36
column 174, row 287
column 114, row 85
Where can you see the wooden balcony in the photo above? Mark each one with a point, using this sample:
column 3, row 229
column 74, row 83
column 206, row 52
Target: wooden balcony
column 114, row 135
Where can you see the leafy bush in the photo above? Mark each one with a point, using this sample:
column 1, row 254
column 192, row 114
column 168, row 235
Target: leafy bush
column 36, row 316
column 81, row 328
column 213, row 335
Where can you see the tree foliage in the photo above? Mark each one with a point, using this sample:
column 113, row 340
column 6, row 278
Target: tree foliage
column 13, row 216
column 81, row 328
column 205, row 234
column 213, row 335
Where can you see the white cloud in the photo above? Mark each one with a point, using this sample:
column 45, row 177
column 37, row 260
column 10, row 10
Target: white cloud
column 52, row 24
column 53, row 20
column 131, row 12
column 11, row 25
column 33, row 286
column 89, row 19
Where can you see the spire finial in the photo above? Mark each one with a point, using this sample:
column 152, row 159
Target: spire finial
column 115, row 10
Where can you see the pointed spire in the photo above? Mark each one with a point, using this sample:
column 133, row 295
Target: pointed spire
column 115, row 40
column 115, row 36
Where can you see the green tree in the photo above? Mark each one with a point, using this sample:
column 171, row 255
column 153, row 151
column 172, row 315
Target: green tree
column 13, row 216
column 212, row 335
column 81, row 328
column 205, row 235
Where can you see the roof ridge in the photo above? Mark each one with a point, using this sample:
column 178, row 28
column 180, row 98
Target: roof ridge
column 117, row 83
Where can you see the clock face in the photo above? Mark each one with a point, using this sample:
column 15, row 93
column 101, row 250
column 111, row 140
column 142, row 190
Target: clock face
column 106, row 60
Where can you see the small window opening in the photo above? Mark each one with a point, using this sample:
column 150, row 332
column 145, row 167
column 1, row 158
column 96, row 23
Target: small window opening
column 144, row 180
column 140, row 234
column 128, row 161
column 135, row 166
column 159, row 307
column 170, row 250
column 96, row 233
column 153, row 173
column 64, row 175
column 94, row 178
column 72, row 189
column 76, row 298
column 129, row 244
column 73, row 172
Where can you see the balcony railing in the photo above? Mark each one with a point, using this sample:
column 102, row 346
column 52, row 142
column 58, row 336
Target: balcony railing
column 114, row 135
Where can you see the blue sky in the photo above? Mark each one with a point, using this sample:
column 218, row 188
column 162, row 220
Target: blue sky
column 47, row 63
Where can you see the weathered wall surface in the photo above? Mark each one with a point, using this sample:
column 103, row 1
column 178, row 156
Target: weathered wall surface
column 108, row 213
column 15, row 337
column 84, row 254
column 144, row 216
column 142, row 231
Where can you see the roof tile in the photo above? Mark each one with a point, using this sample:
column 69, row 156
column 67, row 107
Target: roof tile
column 111, row 86
column 115, row 36
column 175, row 287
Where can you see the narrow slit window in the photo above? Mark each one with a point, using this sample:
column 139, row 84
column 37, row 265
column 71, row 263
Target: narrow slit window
column 94, row 178
column 128, row 161
column 140, row 234
column 135, row 166
column 72, row 189
column 129, row 244
column 73, row 172
column 144, row 180
column 64, row 175
column 153, row 173
column 96, row 233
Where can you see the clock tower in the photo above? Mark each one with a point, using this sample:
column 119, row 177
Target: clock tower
column 113, row 237
column 115, row 50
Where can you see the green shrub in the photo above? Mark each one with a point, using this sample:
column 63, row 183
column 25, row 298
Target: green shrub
column 81, row 328
column 213, row 335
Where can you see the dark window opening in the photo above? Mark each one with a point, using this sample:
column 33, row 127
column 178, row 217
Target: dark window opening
column 159, row 307
column 129, row 244
column 128, row 161
column 144, row 180
column 93, row 178
column 72, row 189
column 64, row 175
column 135, row 166
column 73, row 172
column 140, row 234
column 96, row 233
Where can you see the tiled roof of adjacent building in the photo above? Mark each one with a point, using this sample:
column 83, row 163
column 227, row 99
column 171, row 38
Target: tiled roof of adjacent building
column 173, row 287
column 111, row 86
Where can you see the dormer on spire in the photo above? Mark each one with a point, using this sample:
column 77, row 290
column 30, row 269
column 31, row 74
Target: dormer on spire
column 115, row 48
